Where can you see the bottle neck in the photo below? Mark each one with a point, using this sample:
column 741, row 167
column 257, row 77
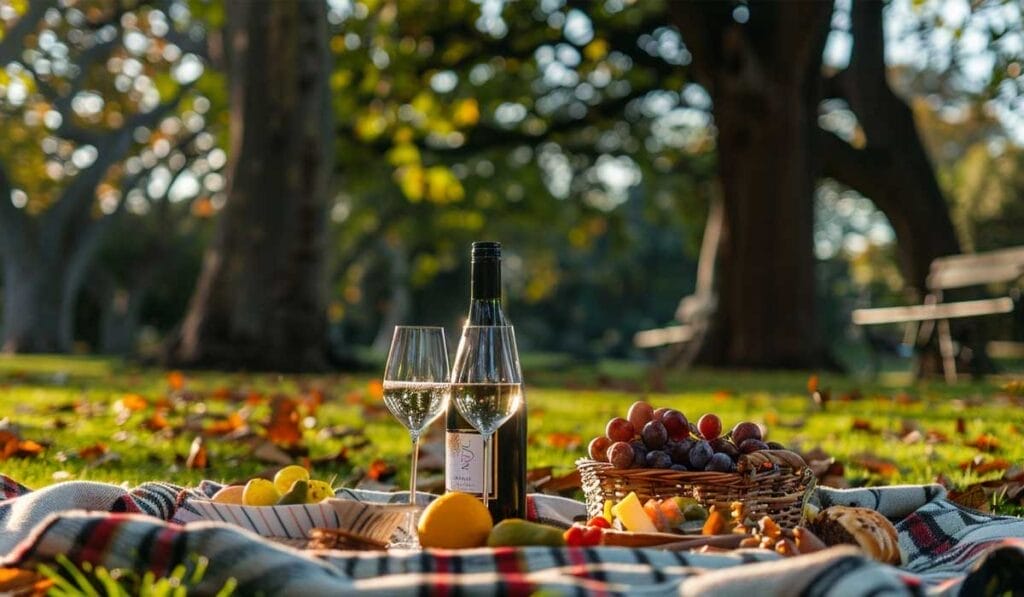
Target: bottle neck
column 485, row 293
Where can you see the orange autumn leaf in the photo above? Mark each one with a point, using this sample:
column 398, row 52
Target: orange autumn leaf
column 812, row 384
column 176, row 379
column 131, row 402
column 985, row 443
column 353, row 398
column 564, row 441
column 93, row 452
column 157, row 422
column 981, row 468
column 253, row 398
column 876, row 465
column 11, row 446
column 283, row 427
column 233, row 422
column 863, row 425
column 312, row 400
column 380, row 470
column 376, row 389
column 222, row 393
column 15, row 581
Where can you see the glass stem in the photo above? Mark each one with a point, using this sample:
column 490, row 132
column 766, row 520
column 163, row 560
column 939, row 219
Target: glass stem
column 487, row 470
column 415, row 463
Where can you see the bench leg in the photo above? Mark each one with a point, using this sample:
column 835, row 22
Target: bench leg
column 947, row 350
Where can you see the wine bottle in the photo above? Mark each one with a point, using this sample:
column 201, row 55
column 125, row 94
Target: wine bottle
column 463, row 444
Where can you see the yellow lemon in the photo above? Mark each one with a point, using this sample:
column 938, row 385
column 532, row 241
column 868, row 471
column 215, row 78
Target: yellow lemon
column 260, row 492
column 232, row 494
column 453, row 521
column 286, row 477
column 318, row 491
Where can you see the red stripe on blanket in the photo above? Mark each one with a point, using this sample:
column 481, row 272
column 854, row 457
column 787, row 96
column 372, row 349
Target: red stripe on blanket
column 509, row 564
column 442, row 579
column 924, row 536
column 160, row 554
column 531, row 509
column 99, row 539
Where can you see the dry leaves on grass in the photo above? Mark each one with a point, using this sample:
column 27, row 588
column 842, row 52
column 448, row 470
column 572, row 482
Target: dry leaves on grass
column 876, row 464
column 17, row 582
column 12, row 446
column 1008, row 489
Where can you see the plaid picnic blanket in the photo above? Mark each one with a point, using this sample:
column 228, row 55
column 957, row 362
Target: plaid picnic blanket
column 948, row 550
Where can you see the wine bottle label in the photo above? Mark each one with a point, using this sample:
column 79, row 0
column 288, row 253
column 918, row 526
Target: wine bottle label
column 463, row 462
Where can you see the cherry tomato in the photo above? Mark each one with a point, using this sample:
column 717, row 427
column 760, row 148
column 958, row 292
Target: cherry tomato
column 573, row 536
column 592, row 536
column 599, row 521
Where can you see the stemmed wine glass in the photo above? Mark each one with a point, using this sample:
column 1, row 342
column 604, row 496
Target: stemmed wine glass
column 416, row 388
column 487, row 383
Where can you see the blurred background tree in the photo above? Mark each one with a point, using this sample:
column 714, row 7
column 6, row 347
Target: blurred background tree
column 589, row 137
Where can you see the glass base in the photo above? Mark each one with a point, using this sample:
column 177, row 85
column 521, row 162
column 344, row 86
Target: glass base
column 405, row 536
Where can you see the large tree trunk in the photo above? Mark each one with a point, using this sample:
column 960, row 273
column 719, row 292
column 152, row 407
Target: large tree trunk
column 260, row 299
column 763, row 78
column 35, row 316
column 894, row 171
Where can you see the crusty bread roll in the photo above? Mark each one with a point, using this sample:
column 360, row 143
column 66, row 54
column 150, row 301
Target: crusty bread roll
column 859, row 526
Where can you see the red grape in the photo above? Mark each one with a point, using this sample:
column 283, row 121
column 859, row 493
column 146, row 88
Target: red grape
column 676, row 424
column 619, row 430
column 744, row 431
column 752, row 445
column 660, row 412
column 654, row 435
column 710, row 426
column 620, row 454
column 599, row 448
column 640, row 414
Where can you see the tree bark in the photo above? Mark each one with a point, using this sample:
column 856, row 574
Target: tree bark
column 260, row 299
column 893, row 169
column 763, row 78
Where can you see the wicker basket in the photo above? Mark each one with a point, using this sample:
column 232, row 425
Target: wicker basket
column 777, row 490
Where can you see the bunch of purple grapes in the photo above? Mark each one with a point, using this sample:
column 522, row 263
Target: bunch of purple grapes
column 664, row 438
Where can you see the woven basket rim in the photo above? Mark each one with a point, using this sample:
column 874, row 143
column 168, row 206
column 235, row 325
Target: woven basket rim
column 689, row 477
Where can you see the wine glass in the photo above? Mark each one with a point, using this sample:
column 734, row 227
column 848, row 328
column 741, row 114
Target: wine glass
column 416, row 386
column 487, row 383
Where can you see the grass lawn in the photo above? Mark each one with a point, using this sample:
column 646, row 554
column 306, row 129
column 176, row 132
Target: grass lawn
column 96, row 419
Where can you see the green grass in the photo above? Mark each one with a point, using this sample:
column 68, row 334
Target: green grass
column 68, row 403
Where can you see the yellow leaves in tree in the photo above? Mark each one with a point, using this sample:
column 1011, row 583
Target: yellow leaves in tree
column 466, row 113
column 404, row 154
column 437, row 184
column 596, row 50
column 371, row 125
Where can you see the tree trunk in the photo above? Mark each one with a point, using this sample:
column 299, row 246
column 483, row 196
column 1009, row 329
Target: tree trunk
column 260, row 299
column 36, row 315
column 400, row 302
column 763, row 78
column 119, row 322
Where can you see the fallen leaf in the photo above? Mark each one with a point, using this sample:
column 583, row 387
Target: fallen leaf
column 18, row 582
column 974, row 497
column 558, row 484
column 564, row 441
column 176, row 380
column 157, row 422
column 980, row 466
column 380, row 471
column 93, row 452
column 131, row 403
column 197, row 455
column 283, row 427
column 876, row 464
column 985, row 443
column 230, row 424
column 376, row 389
column 961, row 426
column 864, row 425
column 269, row 452
column 812, row 384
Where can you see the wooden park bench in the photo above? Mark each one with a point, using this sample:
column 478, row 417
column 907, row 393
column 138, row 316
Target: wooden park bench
column 1004, row 266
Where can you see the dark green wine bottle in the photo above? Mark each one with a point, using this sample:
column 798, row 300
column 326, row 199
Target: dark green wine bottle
column 463, row 444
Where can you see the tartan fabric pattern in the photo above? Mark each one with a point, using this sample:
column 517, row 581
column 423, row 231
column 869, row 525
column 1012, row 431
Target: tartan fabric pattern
column 947, row 550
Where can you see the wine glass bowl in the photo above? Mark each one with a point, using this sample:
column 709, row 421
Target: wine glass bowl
column 487, row 383
column 416, row 387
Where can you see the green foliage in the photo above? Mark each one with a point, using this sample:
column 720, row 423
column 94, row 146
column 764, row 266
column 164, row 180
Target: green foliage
column 86, row 579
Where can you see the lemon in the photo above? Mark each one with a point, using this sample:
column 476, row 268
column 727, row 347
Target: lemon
column 260, row 492
column 286, row 477
column 318, row 491
column 231, row 494
column 455, row 520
